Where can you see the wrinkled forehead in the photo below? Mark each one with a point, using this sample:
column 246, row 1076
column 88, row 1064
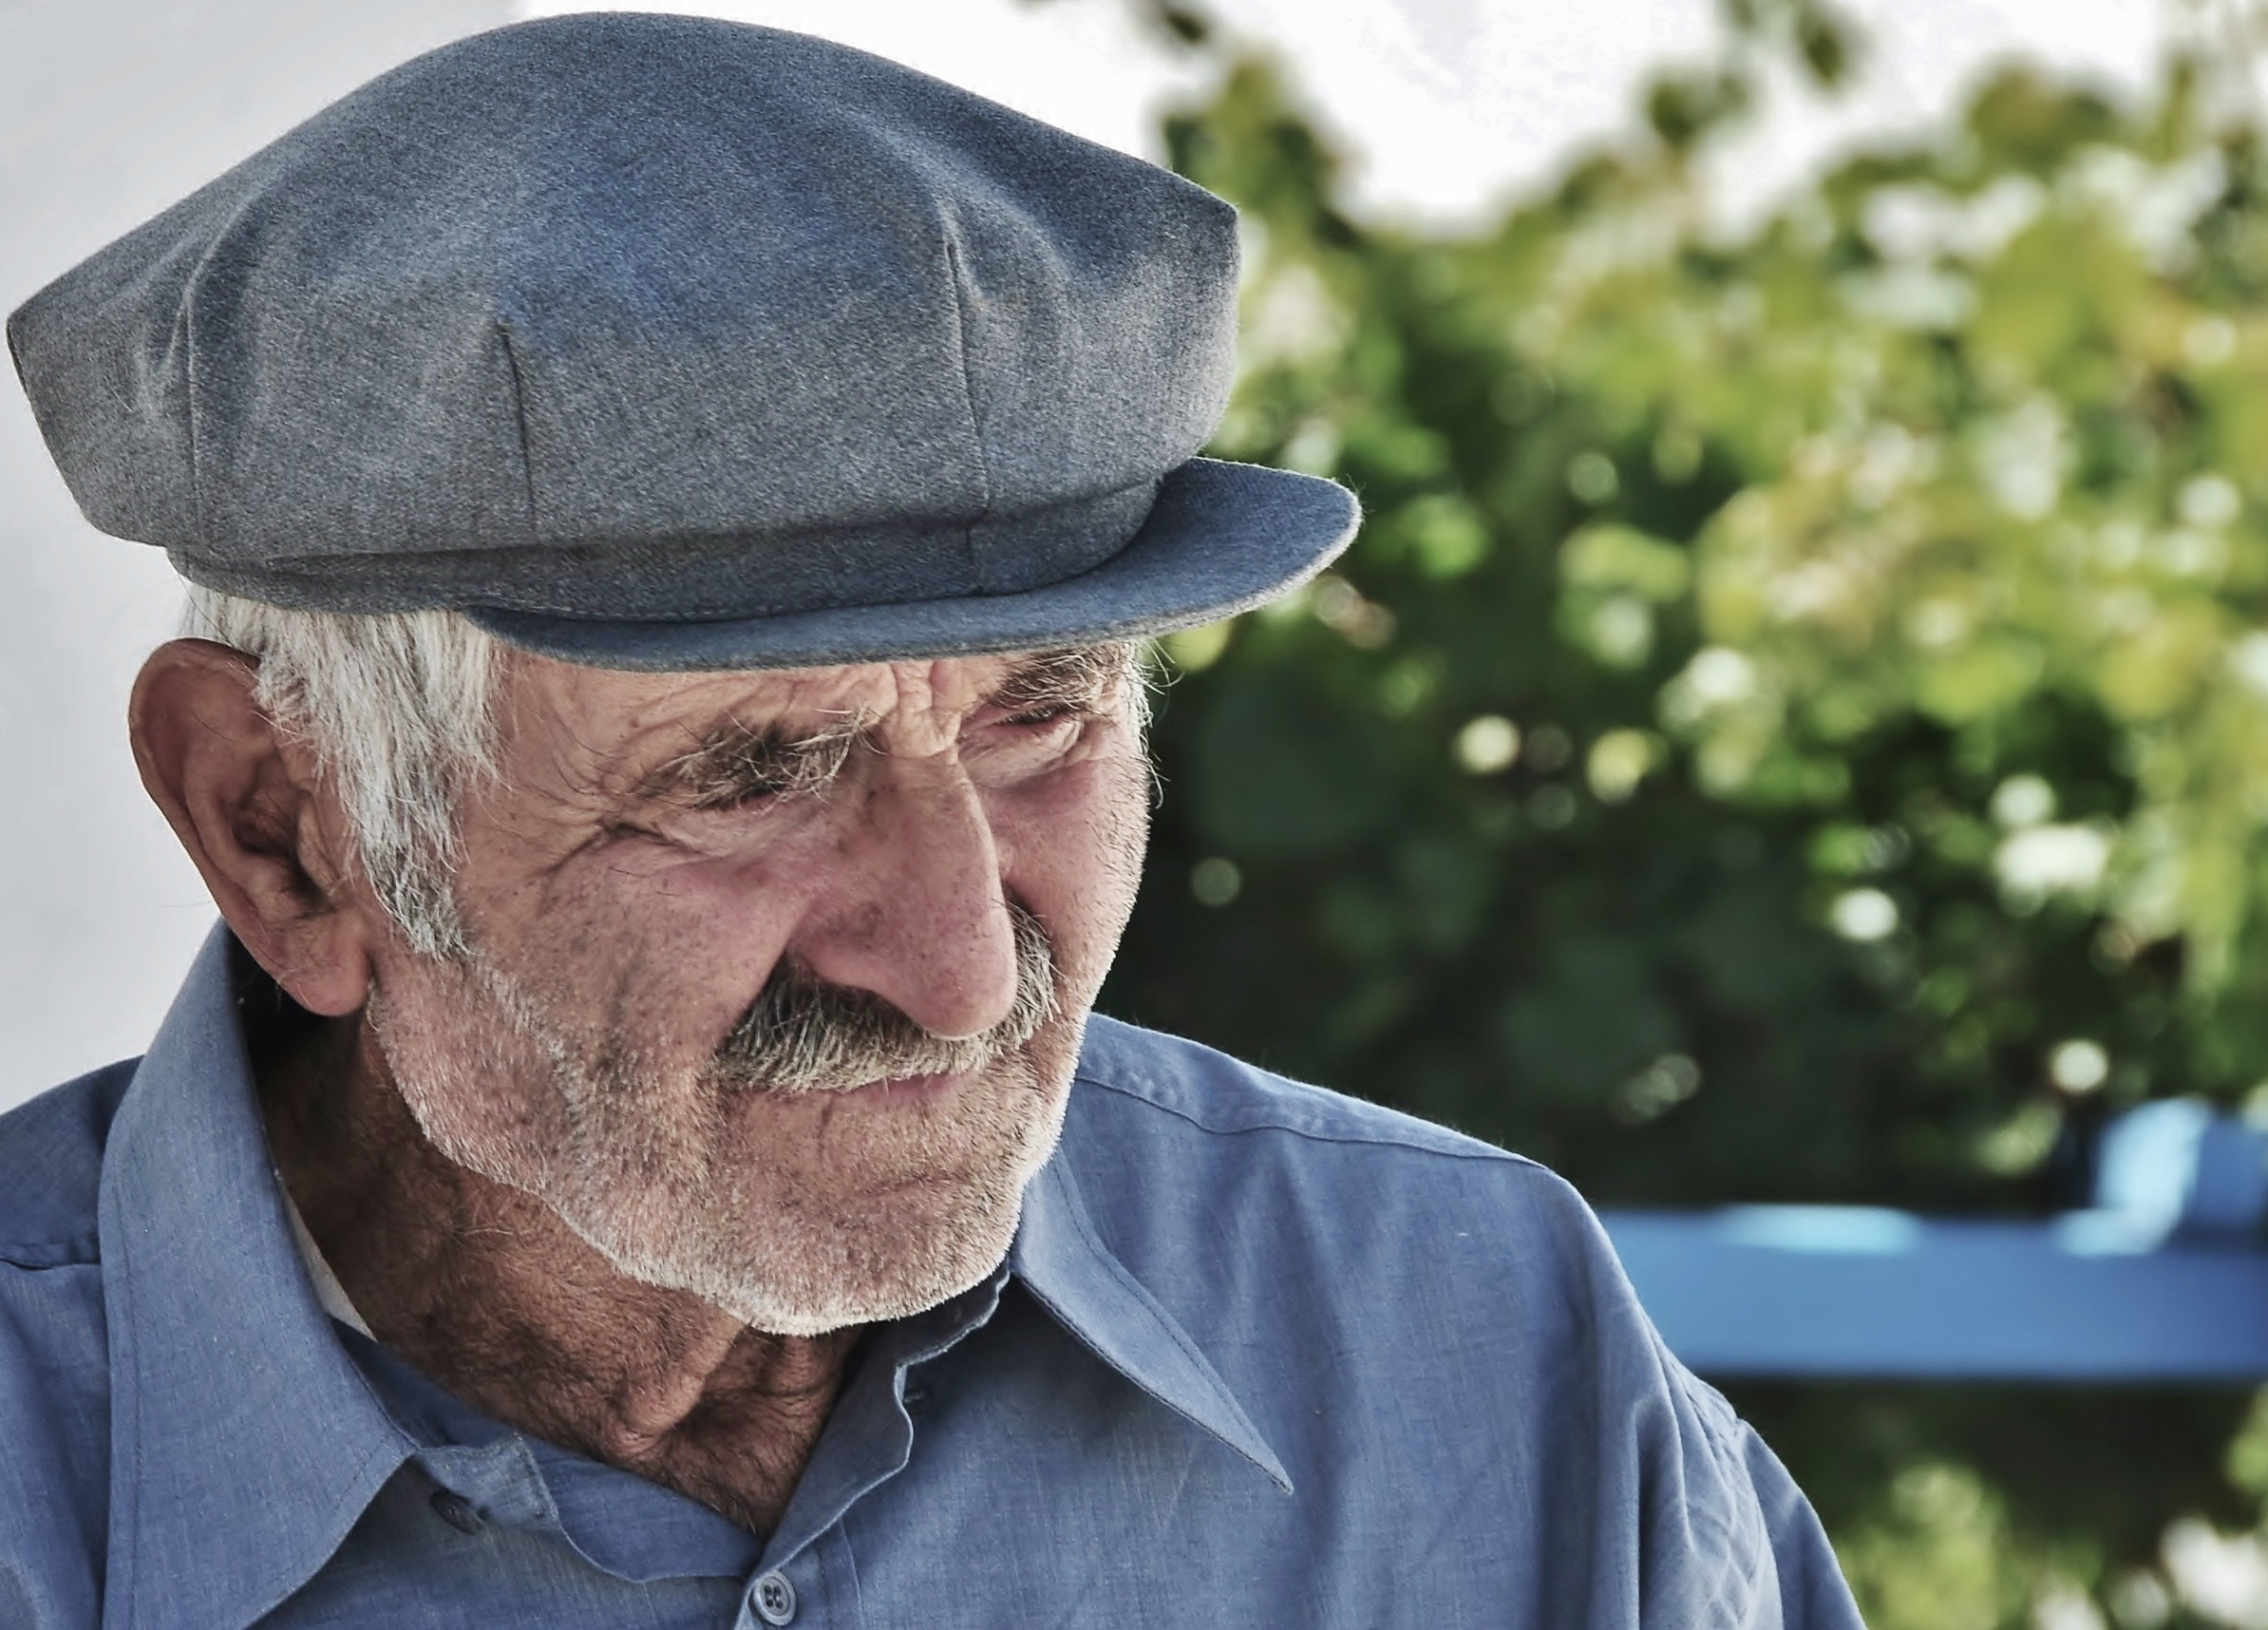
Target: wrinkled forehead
column 609, row 714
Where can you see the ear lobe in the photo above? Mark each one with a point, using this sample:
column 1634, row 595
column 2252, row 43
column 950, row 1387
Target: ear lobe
column 246, row 804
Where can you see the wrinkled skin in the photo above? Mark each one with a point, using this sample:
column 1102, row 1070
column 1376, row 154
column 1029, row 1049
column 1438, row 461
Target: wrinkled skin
column 482, row 1147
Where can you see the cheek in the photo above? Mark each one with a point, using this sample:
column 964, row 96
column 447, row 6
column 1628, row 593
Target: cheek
column 1072, row 852
column 656, row 951
column 478, row 1084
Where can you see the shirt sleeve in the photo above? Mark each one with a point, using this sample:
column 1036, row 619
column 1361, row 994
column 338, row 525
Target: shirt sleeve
column 1812, row 1593
column 54, row 1467
column 1717, row 1535
column 1728, row 1537
column 1809, row 1590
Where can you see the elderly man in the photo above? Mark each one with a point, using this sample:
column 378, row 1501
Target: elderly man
column 667, row 507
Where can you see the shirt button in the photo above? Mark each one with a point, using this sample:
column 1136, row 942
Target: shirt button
column 917, row 1397
column 456, row 1510
column 775, row 1598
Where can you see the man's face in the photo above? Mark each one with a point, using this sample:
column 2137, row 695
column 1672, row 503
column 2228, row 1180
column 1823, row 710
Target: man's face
column 726, row 931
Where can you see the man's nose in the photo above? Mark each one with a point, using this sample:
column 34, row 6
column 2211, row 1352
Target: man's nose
column 921, row 919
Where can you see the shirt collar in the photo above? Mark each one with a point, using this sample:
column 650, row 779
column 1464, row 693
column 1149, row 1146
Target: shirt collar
column 230, row 1392
column 1064, row 1263
column 615, row 1519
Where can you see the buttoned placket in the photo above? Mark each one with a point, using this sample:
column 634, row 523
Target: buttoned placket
column 809, row 1576
column 497, row 1482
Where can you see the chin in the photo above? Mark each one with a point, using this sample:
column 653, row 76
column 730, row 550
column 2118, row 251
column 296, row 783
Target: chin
column 846, row 1233
column 819, row 1276
column 918, row 1286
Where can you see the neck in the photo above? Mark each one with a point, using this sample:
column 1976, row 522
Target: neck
column 484, row 1289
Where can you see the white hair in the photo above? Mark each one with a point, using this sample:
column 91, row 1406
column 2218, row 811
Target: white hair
column 399, row 709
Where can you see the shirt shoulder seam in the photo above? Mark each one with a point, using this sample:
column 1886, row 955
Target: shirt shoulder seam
column 1480, row 1152
column 38, row 1256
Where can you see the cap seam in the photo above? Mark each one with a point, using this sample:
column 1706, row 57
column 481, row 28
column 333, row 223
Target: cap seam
column 184, row 332
column 184, row 329
column 957, row 276
column 520, row 423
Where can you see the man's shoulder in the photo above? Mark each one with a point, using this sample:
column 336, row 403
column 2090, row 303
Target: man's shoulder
column 1223, row 1095
column 51, row 1170
column 1169, row 1132
column 55, row 1363
column 1218, row 1096
column 1400, row 1307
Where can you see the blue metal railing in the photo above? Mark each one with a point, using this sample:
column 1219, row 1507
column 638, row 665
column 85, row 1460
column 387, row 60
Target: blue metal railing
column 2164, row 1277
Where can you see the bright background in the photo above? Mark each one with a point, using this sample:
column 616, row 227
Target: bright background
column 111, row 110
column 1794, row 728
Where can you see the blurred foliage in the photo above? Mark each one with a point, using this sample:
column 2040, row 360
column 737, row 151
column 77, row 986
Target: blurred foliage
column 1794, row 725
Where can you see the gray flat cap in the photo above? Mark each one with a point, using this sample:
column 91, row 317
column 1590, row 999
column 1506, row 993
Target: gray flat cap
column 658, row 342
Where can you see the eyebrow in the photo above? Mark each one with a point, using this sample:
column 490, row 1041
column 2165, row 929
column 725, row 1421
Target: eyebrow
column 1074, row 676
column 736, row 762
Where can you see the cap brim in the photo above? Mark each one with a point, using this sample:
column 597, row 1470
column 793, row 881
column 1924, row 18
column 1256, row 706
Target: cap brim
column 1222, row 539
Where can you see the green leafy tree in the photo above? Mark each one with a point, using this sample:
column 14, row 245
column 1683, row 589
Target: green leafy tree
column 1794, row 725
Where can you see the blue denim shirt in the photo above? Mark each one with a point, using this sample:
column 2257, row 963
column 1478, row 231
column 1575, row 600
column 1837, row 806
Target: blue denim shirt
column 1260, row 1355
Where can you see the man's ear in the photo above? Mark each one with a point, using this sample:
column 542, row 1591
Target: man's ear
column 246, row 802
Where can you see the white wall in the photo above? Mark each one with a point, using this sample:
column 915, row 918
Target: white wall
column 110, row 109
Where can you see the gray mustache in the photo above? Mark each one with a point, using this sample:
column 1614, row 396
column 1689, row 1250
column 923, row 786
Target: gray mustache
column 804, row 1035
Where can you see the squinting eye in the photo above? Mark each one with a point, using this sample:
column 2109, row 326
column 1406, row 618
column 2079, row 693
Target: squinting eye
column 739, row 798
column 1054, row 714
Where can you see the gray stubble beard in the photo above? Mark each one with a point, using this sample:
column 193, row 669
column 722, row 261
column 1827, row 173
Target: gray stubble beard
column 658, row 1204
